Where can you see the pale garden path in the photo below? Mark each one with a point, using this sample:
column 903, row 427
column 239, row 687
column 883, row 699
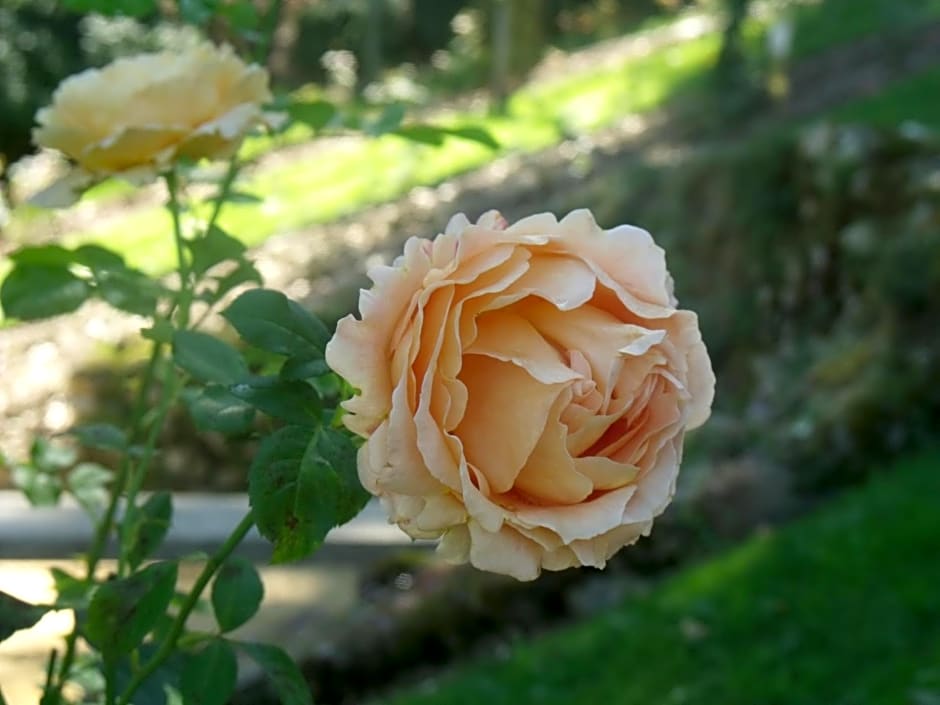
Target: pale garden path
column 324, row 265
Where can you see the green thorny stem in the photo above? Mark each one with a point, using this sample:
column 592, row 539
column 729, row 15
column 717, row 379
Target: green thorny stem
column 171, row 382
column 128, row 477
column 192, row 599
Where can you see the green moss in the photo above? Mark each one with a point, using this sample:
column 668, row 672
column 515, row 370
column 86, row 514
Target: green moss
column 838, row 608
column 911, row 99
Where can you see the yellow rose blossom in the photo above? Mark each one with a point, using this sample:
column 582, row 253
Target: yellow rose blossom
column 138, row 115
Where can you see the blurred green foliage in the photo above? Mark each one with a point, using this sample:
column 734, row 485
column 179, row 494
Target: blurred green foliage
column 813, row 259
column 39, row 45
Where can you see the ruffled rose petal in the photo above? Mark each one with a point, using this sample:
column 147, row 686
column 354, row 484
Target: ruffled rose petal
column 563, row 281
column 525, row 389
column 506, row 336
column 604, row 473
column 549, row 475
column 505, row 551
column 630, row 259
column 404, row 471
column 359, row 350
column 580, row 521
column 499, row 394
column 454, row 546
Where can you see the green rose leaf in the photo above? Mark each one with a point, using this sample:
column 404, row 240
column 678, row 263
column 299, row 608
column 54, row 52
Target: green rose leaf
column 124, row 610
column 162, row 686
column 210, row 675
column 272, row 482
column 331, row 469
column 423, row 134
column 51, row 457
column 97, row 257
column 208, row 359
column 270, row 321
column 316, row 114
column 301, row 485
column 43, row 255
column 303, row 368
column 245, row 272
column 31, row 292
column 127, row 289
column 214, row 247
column 197, row 12
column 243, row 197
column 294, row 401
column 288, row 681
column 435, row 135
column 159, row 332
column 474, row 134
column 72, row 592
column 132, row 8
column 88, row 484
column 42, row 489
column 16, row 614
column 102, row 436
column 215, row 408
column 146, row 527
column 236, row 593
column 388, row 121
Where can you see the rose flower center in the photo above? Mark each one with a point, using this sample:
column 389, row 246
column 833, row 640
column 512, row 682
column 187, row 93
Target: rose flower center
column 563, row 405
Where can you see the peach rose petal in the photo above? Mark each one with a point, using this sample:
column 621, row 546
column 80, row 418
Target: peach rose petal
column 524, row 389
column 405, row 471
column 549, row 475
column 505, row 551
column 499, row 393
column 509, row 337
column 454, row 546
column 604, row 473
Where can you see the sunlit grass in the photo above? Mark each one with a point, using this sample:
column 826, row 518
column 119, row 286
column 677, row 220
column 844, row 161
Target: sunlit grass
column 839, row 608
column 350, row 174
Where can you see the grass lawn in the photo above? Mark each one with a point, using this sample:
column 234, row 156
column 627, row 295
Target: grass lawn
column 910, row 99
column 842, row 607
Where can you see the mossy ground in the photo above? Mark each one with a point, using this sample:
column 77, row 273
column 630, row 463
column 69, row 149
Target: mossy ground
column 840, row 607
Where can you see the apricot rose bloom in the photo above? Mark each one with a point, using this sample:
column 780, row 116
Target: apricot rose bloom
column 137, row 115
column 524, row 389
